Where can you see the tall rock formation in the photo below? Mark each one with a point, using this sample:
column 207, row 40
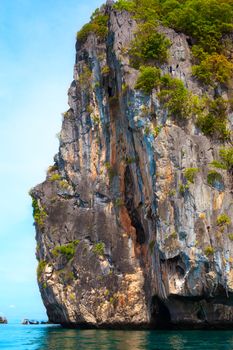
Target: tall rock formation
column 123, row 238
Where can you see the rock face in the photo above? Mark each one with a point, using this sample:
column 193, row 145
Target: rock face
column 121, row 242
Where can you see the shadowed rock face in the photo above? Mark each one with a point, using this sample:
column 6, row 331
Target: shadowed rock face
column 119, row 243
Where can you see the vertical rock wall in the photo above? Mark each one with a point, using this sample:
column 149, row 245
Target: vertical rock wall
column 121, row 240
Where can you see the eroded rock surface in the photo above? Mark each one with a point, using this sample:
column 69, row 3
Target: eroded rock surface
column 120, row 241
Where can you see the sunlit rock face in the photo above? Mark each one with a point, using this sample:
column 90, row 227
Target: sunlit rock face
column 121, row 241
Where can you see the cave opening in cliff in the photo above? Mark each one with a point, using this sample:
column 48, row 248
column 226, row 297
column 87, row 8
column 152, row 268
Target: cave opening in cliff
column 133, row 212
column 160, row 316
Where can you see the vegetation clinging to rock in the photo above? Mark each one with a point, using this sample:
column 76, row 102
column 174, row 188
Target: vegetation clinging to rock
column 190, row 174
column 213, row 122
column 39, row 213
column 149, row 46
column 149, row 78
column 226, row 159
column 40, row 268
column 97, row 25
column 209, row 251
column 205, row 21
column 172, row 93
column 98, row 249
column 214, row 69
column 68, row 250
column 223, row 219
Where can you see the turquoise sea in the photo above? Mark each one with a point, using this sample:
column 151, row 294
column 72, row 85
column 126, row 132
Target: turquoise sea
column 44, row 337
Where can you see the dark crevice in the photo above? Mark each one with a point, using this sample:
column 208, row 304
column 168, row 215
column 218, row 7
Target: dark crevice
column 161, row 316
column 110, row 91
column 133, row 213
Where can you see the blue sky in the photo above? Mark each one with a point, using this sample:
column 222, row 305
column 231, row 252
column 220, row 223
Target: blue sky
column 37, row 40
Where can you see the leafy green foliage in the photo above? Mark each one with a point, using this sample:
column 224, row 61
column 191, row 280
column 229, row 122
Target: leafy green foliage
column 52, row 168
column 209, row 251
column 105, row 70
column 148, row 79
column 39, row 213
column 223, row 219
column 213, row 127
column 214, row 123
column 55, row 177
column 183, row 188
column 214, row 69
column 226, row 155
column 173, row 95
column 190, row 174
column 125, row 5
column 85, row 77
column 98, row 249
column 206, row 21
column 64, row 184
column 97, row 25
column 226, row 159
column 40, row 268
column 68, row 250
column 174, row 235
column 176, row 98
column 149, row 46
column 230, row 236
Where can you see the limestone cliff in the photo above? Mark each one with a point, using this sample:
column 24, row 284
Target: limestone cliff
column 123, row 238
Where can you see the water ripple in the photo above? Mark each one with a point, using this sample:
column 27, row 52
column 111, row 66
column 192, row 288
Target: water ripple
column 18, row 337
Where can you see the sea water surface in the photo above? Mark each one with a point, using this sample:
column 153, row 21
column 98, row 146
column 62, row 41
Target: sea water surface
column 49, row 337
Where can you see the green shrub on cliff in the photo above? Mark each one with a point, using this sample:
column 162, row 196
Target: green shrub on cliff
column 173, row 95
column 68, row 250
column 105, row 70
column 223, row 219
column 98, row 249
column 148, row 47
column 180, row 103
column 214, row 69
column 39, row 213
column 98, row 25
column 149, row 78
column 214, row 122
column 209, row 251
column 125, row 5
column 183, row 188
column 206, row 21
column 55, row 177
column 190, row 174
column 40, row 268
column 226, row 159
column 85, row 77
